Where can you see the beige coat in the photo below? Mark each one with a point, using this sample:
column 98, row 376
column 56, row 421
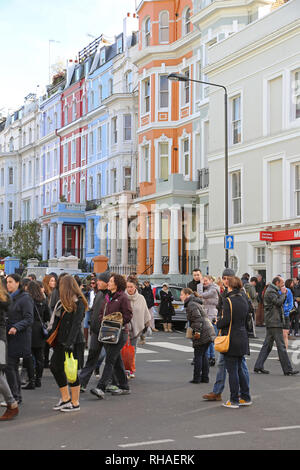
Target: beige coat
column 141, row 315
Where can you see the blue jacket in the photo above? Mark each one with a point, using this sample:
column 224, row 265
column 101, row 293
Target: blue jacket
column 289, row 303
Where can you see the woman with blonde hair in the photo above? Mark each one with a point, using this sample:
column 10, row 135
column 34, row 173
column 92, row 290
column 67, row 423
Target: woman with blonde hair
column 67, row 324
column 11, row 404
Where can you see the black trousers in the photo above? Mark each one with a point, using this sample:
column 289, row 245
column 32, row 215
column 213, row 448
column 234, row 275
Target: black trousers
column 114, row 364
column 35, row 363
column 57, row 367
column 274, row 334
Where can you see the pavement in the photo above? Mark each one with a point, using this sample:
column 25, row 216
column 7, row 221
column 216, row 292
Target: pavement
column 164, row 411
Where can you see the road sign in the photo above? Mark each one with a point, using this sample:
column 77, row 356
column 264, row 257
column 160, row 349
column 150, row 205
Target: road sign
column 229, row 242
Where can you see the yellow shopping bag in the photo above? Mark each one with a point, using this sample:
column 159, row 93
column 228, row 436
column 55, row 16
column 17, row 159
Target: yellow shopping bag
column 71, row 367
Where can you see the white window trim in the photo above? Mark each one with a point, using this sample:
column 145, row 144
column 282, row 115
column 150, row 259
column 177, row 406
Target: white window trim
column 157, row 104
column 232, row 170
column 266, row 186
column 181, row 140
column 266, row 100
column 144, row 32
column 231, row 97
column 142, row 97
column 162, row 139
column 142, row 172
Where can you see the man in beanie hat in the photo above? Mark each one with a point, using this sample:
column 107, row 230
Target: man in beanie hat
column 216, row 394
column 96, row 348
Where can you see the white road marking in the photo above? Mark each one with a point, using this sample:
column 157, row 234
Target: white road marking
column 175, row 347
column 221, row 434
column 283, row 428
column 145, row 351
column 158, row 360
column 146, row 443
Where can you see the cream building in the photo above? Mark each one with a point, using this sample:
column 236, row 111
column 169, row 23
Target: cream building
column 260, row 66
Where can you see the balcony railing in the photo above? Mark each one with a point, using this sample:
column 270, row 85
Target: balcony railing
column 203, row 178
column 92, row 204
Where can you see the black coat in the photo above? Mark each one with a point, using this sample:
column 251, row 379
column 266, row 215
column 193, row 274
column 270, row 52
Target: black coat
column 42, row 309
column 166, row 306
column 147, row 292
column 20, row 316
column 97, row 304
column 239, row 343
column 193, row 285
column 199, row 321
column 70, row 331
column 3, row 312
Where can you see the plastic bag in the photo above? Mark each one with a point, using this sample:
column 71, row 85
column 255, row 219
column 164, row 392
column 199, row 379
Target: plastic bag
column 71, row 367
column 128, row 356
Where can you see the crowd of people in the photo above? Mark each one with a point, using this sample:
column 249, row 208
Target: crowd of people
column 42, row 321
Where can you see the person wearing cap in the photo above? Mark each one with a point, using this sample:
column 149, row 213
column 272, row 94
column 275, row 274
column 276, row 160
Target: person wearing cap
column 166, row 309
column 216, row 394
column 96, row 349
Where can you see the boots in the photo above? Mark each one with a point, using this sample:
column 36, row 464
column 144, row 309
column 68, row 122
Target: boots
column 165, row 325
column 170, row 328
column 10, row 413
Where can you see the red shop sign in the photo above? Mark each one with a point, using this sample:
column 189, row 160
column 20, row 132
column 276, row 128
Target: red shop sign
column 296, row 252
column 283, row 235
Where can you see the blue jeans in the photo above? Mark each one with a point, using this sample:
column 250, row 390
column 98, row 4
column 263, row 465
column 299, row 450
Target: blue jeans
column 211, row 349
column 238, row 381
column 221, row 374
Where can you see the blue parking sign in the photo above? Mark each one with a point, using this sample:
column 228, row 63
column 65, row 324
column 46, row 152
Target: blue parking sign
column 229, row 242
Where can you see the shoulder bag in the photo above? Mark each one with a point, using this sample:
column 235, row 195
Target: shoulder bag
column 52, row 338
column 43, row 325
column 111, row 327
column 222, row 342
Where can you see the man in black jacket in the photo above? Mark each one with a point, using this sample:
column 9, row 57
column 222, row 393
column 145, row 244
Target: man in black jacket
column 274, row 299
column 197, row 279
column 95, row 346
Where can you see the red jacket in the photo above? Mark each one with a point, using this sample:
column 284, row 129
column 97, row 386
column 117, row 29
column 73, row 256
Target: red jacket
column 119, row 302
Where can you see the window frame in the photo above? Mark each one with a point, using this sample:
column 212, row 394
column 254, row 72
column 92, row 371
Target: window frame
column 163, row 28
column 236, row 199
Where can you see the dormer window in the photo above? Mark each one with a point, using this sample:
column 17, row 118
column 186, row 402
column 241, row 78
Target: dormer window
column 102, row 56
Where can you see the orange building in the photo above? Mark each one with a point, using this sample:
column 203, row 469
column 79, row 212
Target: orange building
column 167, row 177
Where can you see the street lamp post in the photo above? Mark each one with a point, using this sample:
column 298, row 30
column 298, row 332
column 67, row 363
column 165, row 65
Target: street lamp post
column 183, row 78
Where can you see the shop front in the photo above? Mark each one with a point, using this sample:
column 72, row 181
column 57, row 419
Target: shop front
column 284, row 248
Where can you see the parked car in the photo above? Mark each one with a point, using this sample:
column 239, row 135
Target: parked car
column 180, row 313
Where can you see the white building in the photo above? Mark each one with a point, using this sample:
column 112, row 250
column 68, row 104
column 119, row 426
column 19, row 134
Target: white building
column 260, row 66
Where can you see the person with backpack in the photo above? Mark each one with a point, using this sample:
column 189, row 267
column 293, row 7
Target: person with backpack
column 203, row 334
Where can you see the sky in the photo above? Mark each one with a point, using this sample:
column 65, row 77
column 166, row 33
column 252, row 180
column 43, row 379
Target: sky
column 26, row 26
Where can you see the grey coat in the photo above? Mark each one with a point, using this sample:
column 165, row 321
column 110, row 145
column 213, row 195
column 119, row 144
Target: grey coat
column 273, row 307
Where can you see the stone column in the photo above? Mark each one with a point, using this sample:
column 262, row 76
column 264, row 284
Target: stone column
column 59, row 239
column 174, row 238
column 157, row 266
column 113, row 240
column 44, row 242
column 124, row 240
column 103, row 238
column 51, row 244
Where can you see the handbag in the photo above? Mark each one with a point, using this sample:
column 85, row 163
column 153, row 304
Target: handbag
column 52, row 338
column 189, row 333
column 43, row 325
column 111, row 327
column 70, row 367
column 222, row 342
column 128, row 356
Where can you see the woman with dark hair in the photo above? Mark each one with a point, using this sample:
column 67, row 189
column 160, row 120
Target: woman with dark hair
column 67, row 323
column 235, row 312
column 116, row 301
column 19, row 323
column 11, row 404
column 41, row 312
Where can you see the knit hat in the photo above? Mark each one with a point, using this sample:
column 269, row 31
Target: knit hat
column 228, row 272
column 104, row 277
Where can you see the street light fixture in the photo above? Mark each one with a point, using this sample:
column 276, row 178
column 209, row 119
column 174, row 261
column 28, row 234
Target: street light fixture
column 184, row 78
